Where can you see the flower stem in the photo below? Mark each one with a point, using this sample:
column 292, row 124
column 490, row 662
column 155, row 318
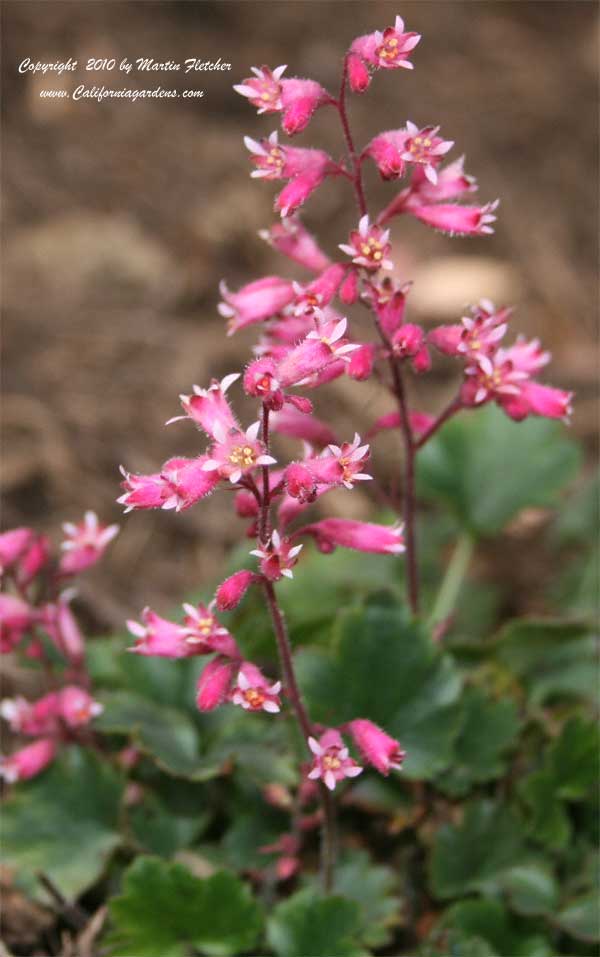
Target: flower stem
column 356, row 170
column 450, row 410
column 328, row 834
column 453, row 579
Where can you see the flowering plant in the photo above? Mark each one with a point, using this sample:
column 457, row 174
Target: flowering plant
column 384, row 695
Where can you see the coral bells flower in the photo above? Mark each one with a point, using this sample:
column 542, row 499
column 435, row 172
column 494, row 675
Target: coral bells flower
column 457, row 220
column 263, row 90
column 29, row 761
column 362, row 536
column 349, row 459
column 332, row 762
column 160, row 637
column 254, row 302
column 76, row 707
column 206, row 634
column 278, row 557
column 85, row 543
column 369, row 246
column 31, row 717
column 214, row 683
column 377, row 747
column 361, row 362
column 425, row 148
column 16, row 617
column 478, row 334
column 232, row 590
column 237, row 453
column 315, row 352
column 387, row 50
column 260, row 381
column 386, row 150
column 209, row 408
column 304, row 168
column 359, row 77
column 13, row 544
column 253, row 692
column 291, row 238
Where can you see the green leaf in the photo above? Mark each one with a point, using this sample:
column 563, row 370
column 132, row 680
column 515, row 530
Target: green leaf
column 531, row 888
column 63, row 823
column 385, row 667
column 488, row 729
column 549, row 823
column 307, row 925
column 373, row 888
column 461, row 465
column 164, row 910
column 573, row 759
column 552, row 658
column 581, row 918
column 487, row 920
column 159, row 831
column 164, row 734
column 473, row 856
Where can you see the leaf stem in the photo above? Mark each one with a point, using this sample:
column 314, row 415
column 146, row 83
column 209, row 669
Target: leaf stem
column 453, row 579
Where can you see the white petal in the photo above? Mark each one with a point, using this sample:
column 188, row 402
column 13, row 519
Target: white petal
column 136, row 629
column 315, row 747
column 228, row 381
column 271, row 706
column 330, row 780
column 363, row 225
column 252, row 431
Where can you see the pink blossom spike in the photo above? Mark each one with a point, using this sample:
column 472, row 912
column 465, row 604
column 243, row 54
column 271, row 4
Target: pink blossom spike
column 85, row 543
column 253, row 692
column 331, row 760
column 377, row 747
column 29, row 761
column 362, row 536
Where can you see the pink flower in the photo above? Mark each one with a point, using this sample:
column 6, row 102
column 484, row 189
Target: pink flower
column 452, row 182
column 253, row 692
column 85, row 543
column 255, row 302
column 526, row 356
column 209, row 408
column 362, row 536
column 537, row 399
column 491, row 377
column 298, row 190
column 232, row 590
column 407, row 340
column 478, row 334
column 12, row 544
column 31, row 717
column 263, row 90
column 320, row 291
column 16, row 617
column 300, row 426
column 206, row 634
column 214, row 683
column 187, row 481
column 342, row 464
column 33, row 558
column 388, row 50
column 419, row 422
column 61, row 624
column 293, row 240
column 332, row 762
column 387, row 150
column 377, row 747
column 425, row 148
column 143, row 491
column 317, row 350
column 278, row 557
column 300, row 99
column 76, row 707
column 28, row 762
column 361, row 362
column 349, row 287
column 237, row 453
column 300, row 482
column 389, row 303
column 305, row 168
column 159, row 637
column 369, row 246
column 359, row 77
column 457, row 220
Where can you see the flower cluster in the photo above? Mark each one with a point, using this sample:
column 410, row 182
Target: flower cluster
column 35, row 609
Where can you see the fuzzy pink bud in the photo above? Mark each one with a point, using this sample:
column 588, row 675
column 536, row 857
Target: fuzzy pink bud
column 362, row 536
column 293, row 240
column 349, row 288
column 421, row 362
column 214, row 683
column 232, row 590
column 254, row 302
column 300, row 482
column 407, row 340
column 376, row 747
column 12, row 544
column 457, row 220
column 361, row 362
column 28, row 762
column 16, row 617
column 358, row 74
column 300, row 99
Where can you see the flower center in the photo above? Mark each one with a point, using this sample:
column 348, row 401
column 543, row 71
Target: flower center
column 331, row 762
column 275, row 158
column 254, row 697
column 243, row 456
column 372, row 249
column 419, row 146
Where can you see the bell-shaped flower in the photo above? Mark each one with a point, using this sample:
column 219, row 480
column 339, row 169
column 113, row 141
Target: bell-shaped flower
column 28, row 761
column 213, row 685
column 369, row 246
column 31, row 717
column 457, row 220
column 291, row 238
column 161, row 638
column 235, row 454
column 376, row 747
column 230, row 592
column 85, row 543
column 206, row 634
column 278, row 557
column 362, row 536
column 253, row 692
column 387, row 50
column 76, row 706
column 425, row 148
column 254, row 302
column 263, row 90
column 16, row 618
column 331, row 760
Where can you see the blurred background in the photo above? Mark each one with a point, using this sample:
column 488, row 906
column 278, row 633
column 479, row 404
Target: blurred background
column 121, row 218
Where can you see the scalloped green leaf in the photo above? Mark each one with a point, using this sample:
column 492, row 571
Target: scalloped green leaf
column 552, row 658
column 63, row 823
column 164, row 910
column 308, row 925
column 489, row 922
column 164, row 734
column 531, row 888
column 548, row 821
column 573, row 758
column 373, row 888
column 460, row 465
column 488, row 729
column 581, row 917
column 385, row 667
column 473, row 855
